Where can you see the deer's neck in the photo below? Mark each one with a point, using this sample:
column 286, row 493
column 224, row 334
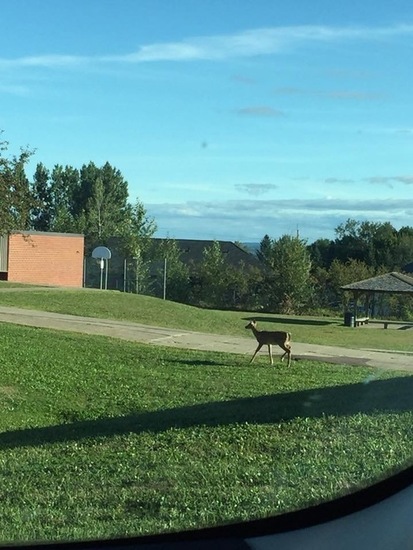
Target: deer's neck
column 255, row 331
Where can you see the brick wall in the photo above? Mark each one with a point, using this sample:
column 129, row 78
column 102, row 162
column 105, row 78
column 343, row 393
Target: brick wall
column 46, row 258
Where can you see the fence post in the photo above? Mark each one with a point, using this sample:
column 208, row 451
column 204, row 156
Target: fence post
column 164, row 279
column 136, row 258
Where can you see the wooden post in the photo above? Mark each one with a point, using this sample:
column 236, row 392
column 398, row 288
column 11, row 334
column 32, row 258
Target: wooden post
column 356, row 296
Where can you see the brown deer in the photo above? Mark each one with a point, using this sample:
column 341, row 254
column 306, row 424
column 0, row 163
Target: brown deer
column 267, row 337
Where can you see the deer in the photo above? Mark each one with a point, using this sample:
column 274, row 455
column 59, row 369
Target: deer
column 267, row 337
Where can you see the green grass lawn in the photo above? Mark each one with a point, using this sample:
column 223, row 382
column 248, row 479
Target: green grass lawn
column 153, row 311
column 104, row 438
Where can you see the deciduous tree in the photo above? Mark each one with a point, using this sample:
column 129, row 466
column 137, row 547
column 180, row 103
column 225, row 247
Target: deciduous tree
column 16, row 200
column 172, row 273
column 288, row 285
column 210, row 277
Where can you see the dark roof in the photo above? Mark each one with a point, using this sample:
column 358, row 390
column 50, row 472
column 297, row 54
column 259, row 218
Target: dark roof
column 390, row 282
column 192, row 250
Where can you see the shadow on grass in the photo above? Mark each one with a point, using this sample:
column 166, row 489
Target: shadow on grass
column 394, row 395
column 290, row 321
column 204, row 363
column 200, row 362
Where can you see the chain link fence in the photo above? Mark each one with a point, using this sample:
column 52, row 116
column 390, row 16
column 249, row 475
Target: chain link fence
column 126, row 275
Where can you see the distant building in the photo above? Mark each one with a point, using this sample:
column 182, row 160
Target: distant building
column 120, row 269
column 192, row 251
column 36, row 257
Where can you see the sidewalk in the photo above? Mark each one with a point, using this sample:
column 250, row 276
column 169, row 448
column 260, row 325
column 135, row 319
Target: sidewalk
column 202, row 341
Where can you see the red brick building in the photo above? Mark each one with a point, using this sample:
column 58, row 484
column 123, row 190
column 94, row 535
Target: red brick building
column 36, row 257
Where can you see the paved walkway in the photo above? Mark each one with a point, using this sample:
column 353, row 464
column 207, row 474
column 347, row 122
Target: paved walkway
column 201, row 341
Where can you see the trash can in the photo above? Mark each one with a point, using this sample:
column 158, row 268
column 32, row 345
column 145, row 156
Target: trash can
column 348, row 319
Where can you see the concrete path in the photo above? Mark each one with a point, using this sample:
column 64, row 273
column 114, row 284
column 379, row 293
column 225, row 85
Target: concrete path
column 201, row 341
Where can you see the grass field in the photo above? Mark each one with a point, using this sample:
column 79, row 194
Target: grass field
column 153, row 311
column 103, row 438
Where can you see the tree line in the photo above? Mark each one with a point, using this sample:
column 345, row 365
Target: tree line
column 90, row 200
column 294, row 277
column 361, row 250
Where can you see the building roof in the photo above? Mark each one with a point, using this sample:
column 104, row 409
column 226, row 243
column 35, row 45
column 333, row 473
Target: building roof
column 192, row 250
column 390, row 282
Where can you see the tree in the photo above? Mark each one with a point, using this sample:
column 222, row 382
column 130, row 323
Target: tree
column 287, row 287
column 210, row 278
column 92, row 201
column 102, row 197
column 403, row 254
column 323, row 295
column 264, row 251
column 171, row 270
column 16, row 200
column 136, row 230
column 133, row 239
column 243, row 286
column 41, row 215
column 344, row 273
column 377, row 244
column 384, row 244
column 54, row 193
column 350, row 243
column 321, row 253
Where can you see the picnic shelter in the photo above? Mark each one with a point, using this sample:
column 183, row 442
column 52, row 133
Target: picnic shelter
column 390, row 283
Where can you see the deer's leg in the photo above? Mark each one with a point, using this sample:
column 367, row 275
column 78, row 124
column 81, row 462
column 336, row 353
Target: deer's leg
column 287, row 350
column 256, row 351
column 289, row 357
column 270, row 353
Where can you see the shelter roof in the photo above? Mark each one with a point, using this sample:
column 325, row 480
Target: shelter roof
column 390, row 282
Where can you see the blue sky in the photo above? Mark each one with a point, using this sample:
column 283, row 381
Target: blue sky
column 230, row 119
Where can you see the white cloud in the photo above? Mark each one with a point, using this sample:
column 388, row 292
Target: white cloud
column 45, row 61
column 388, row 180
column 251, row 219
column 256, row 188
column 249, row 43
